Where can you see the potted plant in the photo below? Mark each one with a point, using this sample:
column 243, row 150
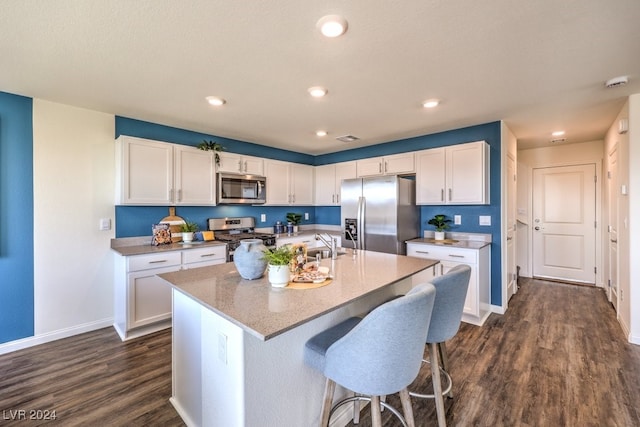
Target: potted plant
column 294, row 219
column 441, row 223
column 278, row 260
column 212, row 146
column 187, row 229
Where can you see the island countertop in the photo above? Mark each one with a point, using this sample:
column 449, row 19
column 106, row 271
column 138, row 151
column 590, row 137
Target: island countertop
column 266, row 312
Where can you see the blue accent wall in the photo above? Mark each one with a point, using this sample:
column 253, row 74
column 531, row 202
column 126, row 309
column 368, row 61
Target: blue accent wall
column 16, row 218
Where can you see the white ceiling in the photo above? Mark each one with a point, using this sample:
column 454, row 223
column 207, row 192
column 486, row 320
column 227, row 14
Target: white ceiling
column 538, row 65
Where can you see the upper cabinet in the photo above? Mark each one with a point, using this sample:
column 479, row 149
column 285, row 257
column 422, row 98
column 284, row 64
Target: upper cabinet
column 453, row 175
column 237, row 163
column 329, row 181
column 158, row 173
column 288, row 183
column 387, row 165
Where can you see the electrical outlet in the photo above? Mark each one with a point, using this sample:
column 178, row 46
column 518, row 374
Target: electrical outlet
column 485, row 220
column 306, row 216
column 457, row 219
column 222, row 347
column 263, row 217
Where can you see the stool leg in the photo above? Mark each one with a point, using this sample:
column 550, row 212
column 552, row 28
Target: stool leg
column 356, row 411
column 406, row 407
column 376, row 418
column 445, row 364
column 329, row 389
column 437, row 384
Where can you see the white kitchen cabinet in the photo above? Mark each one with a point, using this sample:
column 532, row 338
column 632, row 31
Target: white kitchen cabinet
column 329, row 181
column 454, row 175
column 387, row 165
column 478, row 301
column 142, row 301
column 237, row 163
column 288, row 183
column 159, row 173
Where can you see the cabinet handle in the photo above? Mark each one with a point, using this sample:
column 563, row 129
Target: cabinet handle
column 158, row 262
column 171, row 195
column 245, row 165
column 449, row 194
column 385, row 167
column 441, row 269
column 423, row 252
column 240, row 165
column 456, row 256
column 333, row 198
column 337, row 198
column 180, row 195
column 442, row 194
column 380, row 167
column 293, row 198
column 206, row 255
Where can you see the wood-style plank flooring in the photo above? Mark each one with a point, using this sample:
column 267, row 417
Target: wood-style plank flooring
column 557, row 358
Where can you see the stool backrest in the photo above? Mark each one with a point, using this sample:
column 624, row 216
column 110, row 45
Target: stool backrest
column 382, row 354
column 451, row 291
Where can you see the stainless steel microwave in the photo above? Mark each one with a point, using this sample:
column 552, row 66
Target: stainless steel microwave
column 241, row 189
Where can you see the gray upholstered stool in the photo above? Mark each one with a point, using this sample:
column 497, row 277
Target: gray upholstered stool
column 451, row 291
column 378, row 355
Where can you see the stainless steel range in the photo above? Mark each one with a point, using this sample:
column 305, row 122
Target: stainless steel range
column 232, row 230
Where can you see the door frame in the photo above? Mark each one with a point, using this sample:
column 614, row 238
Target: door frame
column 598, row 214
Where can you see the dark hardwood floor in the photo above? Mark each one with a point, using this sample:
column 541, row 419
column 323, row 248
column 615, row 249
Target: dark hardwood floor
column 557, row 358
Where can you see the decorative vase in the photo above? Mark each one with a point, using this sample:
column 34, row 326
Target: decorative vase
column 187, row 236
column 439, row 235
column 278, row 275
column 248, row 258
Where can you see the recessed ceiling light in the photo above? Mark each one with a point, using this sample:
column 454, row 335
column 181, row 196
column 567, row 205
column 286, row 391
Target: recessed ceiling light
column 617, row 81
column 317, row 91
column 321, row 133
column 430, row 103
column 557, row 133
column 332, row 25
column 217, row 101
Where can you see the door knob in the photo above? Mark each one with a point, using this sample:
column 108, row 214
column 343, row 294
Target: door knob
column 537, row 228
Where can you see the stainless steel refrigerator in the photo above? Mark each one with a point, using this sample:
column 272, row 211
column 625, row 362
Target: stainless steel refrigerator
column 380, row 213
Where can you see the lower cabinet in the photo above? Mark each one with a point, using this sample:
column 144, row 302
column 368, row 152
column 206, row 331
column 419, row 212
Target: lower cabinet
column 477, row 305
column 142, row 301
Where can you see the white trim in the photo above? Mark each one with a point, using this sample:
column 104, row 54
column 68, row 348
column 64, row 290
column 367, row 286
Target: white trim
column 54, row 335
column 497, row 309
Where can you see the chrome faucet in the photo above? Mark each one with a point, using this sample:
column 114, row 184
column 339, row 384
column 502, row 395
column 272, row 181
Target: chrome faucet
column 331, row 243
column 352, row 240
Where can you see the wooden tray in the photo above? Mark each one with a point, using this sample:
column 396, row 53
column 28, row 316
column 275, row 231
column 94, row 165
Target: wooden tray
column 303, row 285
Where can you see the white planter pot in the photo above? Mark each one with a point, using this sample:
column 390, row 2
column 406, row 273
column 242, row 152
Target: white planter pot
column 187, row 237
column 279, row 275
column 439, row 235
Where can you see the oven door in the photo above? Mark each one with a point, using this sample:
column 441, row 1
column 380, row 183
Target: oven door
column 241, row 189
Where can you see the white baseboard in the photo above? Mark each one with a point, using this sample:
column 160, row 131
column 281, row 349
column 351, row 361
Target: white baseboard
column 54, row 335
column 497, row 309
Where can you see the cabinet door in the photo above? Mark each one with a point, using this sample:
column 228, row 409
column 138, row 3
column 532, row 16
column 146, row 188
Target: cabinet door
column 430, row 177
column 146, row 169
column 253, row 165
column 344, row 170
column 471, row 303
column 194, row 177
column 399, row 163
column 301, row 184
column 369, row 167
column 277, row 174
column 149, row 297
column 230, row 162
column 325, row 185
column 466, row 173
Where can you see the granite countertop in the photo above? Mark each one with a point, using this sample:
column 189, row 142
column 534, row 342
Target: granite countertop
column 451, row 243
column 130, row 246
column 266, row 312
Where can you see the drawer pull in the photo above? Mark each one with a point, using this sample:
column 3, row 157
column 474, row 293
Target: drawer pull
column 206, row 255
column 456, row 256
column 160, row 261
column 423, row 252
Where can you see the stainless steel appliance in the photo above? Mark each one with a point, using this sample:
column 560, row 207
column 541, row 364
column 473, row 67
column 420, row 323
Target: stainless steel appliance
column 380, row 213
column 241, row 189
column 232, row 230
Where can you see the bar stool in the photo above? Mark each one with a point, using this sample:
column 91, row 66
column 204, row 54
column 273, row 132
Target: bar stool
column 376, row 355
column 451, row 291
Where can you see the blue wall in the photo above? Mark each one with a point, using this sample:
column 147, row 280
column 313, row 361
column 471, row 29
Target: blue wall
column 136, row 221
column 16, row 218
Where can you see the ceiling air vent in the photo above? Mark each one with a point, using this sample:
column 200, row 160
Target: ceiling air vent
column 617, row 81
column 347, row 138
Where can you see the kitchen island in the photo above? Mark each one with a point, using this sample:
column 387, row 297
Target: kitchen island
column 238, row 344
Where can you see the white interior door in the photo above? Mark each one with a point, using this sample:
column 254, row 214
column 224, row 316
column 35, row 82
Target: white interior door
column 564, row 228
column 612, row 175
column 512, row 286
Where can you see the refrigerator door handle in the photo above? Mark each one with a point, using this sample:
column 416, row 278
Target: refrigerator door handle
column 360, row 223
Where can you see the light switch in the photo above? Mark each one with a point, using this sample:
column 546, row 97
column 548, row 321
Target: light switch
column 306, row 216
column 457, row 219
column 263, row 217
column 105, row 224
column 485, row 220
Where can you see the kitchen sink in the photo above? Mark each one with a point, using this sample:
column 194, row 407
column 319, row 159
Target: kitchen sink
column 323, row 251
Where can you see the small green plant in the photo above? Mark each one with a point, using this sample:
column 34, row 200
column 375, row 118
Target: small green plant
column 188, row 227
column 278, row 256
column 294, row 218
column 212, row 146
column 440, row 222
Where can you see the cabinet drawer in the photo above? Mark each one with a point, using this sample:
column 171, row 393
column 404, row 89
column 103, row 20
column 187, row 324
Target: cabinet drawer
column 145, row 262
column 469, row 256
column 204, row 254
